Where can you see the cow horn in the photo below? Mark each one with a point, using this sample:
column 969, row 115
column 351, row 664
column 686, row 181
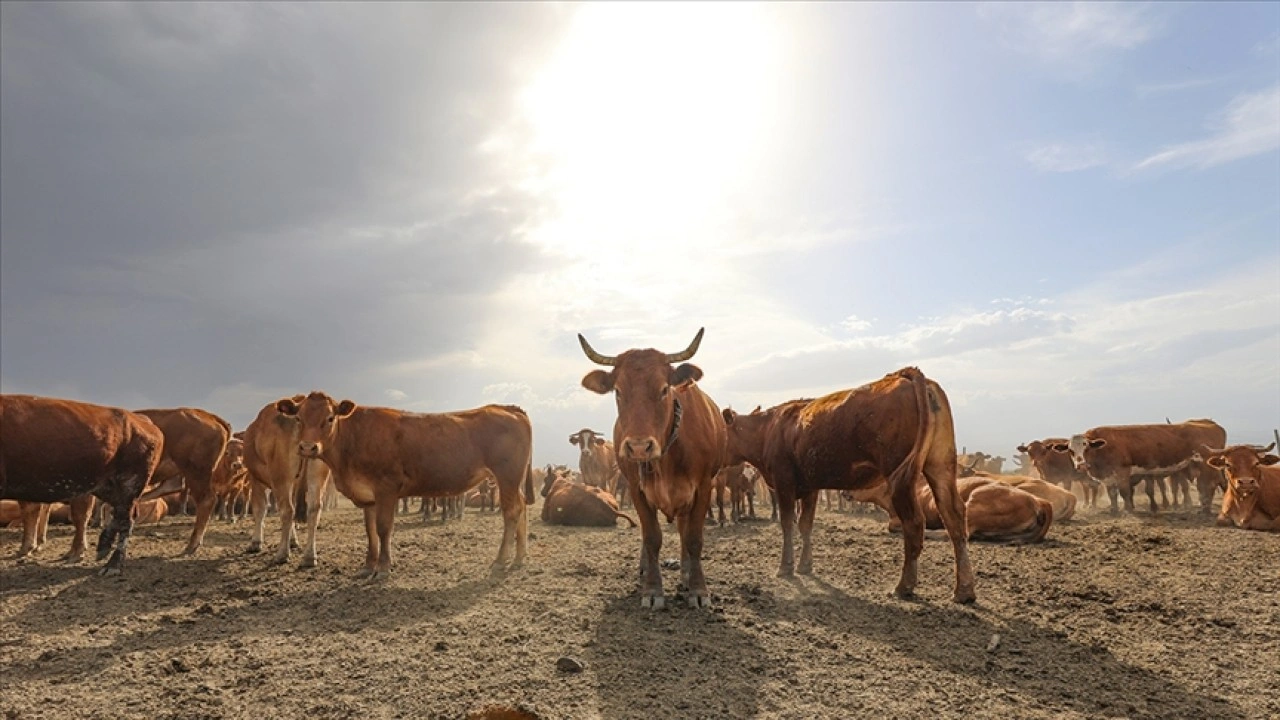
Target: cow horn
column 594, row 356
column 689, row 351
column 1268, row 448
column 1210, row 451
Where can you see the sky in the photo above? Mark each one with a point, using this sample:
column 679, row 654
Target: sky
column 1068, row 215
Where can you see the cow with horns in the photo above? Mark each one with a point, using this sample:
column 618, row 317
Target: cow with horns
column 670, row 441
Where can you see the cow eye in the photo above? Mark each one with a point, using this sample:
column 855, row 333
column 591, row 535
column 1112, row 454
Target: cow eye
column 328, row 420
column 665, row 390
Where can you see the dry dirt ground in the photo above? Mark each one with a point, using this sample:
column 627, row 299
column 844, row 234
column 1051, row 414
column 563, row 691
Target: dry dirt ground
column 1137, row 617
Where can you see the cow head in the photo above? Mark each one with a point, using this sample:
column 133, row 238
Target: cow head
column 642, row 382
column 317, row 416
column 1083, row 449
column 233, row 457
column 746, row 435
column 1242, row 465
column 586, row 440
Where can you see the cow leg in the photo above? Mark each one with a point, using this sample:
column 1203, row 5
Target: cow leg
column 81, row 509
column 375, row 544
column 719, row 505
column 808, row 507
column 204, row 510
column 787, row 514
column 903, row 498
column 385, row 521
column 1152, row 483
column 951, row 508
column 651, row 544
column 1163, row 483
column 284, row 505
column 1207, row 487
column 258, row 504
column 318, row 481
column 515, row 527
column 117, row 530
column 773, row 504
column 30, row 512
column 691, row 541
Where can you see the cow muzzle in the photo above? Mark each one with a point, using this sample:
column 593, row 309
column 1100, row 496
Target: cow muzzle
column 309, row 449
column 644, row 449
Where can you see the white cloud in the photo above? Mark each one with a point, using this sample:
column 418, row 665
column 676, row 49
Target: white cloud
column 1267, row 48
column 854, row 323
column 1249, row 126
column 1153, row 89
column 397, row 395
column 1072, row 37
column 1062, row 158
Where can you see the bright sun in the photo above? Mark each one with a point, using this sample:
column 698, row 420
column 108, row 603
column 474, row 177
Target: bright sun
column 649, row 117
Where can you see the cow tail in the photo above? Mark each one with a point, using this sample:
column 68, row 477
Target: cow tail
column 528, row 483
column 913, row 464
column 1044, row 518
column 626, row 517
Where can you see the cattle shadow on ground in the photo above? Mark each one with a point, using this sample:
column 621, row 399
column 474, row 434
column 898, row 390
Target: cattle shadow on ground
column 1087, row 679
column 640, row 660
column 348, row 609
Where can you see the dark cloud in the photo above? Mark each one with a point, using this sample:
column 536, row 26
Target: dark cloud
column 197, row 196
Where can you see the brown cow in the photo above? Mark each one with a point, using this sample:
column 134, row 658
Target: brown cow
column 54, row 450
column 741, row 480
column 569, row 503
column 887, row 431
column 194, row 443
column 379, row 455
column 1063, row 502
column 297, row 485
column 1118, row 456
column 1056, row 467
column 1252, row 500
column 596, row 459
column 670, row 442
column 35, row 519
column 994, row 511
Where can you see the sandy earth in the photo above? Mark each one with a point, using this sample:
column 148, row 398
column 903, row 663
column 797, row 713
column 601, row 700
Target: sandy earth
column 1127, row 617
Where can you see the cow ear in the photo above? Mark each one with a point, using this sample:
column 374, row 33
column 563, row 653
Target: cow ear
column 598, row 441
column 1216, row 461
column 1058, row 447
column 1097, row 443
column 345, row 408
column 573, row 439
column 1021, row 448
column 287, row 406
column 729, row 416
column 684, row 373
column 1269, row 459
column 598, row 381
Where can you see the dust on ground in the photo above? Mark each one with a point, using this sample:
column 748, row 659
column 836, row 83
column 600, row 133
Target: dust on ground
column 1134, row 617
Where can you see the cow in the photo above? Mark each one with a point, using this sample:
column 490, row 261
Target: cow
column 1057, row 468
column 1252, row 500
column 1064, row 503
column 296, row 483
column 889, row 431
column 195, row 442
column 994, row 511
column 379, row 455
column 568, row 503
column 596, row 459
column 670, row 442
column 1119, row 455
column 741, row 481
column 53, row 450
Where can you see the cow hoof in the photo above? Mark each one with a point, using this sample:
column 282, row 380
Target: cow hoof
column 698, row 600
column 189, row 551
column 379, row 575
column 72, row 558
column 279, row 560
column 786, row 573
column 108, row 571
column 253, row 549
column 364, row 573
column 307, row 563
column 804, row 570
column 902, row 593
column 655, row 602
column 964, row 597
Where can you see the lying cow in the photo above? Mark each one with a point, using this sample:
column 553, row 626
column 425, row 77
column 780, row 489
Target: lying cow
column 1252, row 500
column 568, row 503
column 54, row 450
column 996, row 512
column 1063, row 502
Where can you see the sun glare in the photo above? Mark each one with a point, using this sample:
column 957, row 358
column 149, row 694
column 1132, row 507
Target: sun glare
column 648, row 117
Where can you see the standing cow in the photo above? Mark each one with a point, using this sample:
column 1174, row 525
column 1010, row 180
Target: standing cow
column 54, row 450
column 1057, row 468
column 670, row 441
column 195, row 442
column 296, row 483
column 1120, row 455
column 889, row 431
column 379, row 455
column 596, row 459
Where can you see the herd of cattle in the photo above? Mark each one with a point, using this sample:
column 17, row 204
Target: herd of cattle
column 890, row 442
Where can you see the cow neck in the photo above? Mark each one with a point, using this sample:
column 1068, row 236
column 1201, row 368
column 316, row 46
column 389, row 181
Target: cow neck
column 675, row 424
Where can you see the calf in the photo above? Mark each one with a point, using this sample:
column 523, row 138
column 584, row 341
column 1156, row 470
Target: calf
column 1057, row 468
